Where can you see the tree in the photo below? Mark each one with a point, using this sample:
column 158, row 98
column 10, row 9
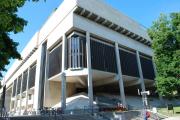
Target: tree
column 10, row 22
column 165, row 35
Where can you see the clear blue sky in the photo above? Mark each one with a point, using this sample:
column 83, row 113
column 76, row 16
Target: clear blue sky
column 143, row 11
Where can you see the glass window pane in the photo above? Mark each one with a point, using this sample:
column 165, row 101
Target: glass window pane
column 32, row 75
column 19, row 84
column 147, row 68
column 55, row 61
column 24, row 82
column 129, row 64
column 103, row 57
column 14, row 88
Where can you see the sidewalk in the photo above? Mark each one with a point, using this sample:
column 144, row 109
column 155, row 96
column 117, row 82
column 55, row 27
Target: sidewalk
column 173, row 118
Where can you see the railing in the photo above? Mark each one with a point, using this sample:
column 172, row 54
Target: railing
column 58, row 114
column 4, row 114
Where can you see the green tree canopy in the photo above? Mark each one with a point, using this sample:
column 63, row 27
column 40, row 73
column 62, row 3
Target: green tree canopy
column 10, row 22
column 165, row 35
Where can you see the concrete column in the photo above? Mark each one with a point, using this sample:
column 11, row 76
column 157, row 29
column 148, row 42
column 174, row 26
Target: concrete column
column 63, row 91
column 27, row 89
column 154, row 67
column 15, row 103
column 63, row 76
column 21, row 94
column 46, row 85
column 155, row 72
column 140, row 71
column 89, row 77
column 121, row 83
column 37, row 79
column 64, row 53
column 11, row 98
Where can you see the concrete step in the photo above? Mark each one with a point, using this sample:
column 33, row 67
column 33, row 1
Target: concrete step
column 60, row 117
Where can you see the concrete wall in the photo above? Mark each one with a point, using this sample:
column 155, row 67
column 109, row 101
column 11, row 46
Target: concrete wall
column 54, row 96
column 8, row 99
column 102, row 9
column 56, row 25
column 99, row 30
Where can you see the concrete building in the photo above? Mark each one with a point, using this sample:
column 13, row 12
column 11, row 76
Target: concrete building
column 85, row 46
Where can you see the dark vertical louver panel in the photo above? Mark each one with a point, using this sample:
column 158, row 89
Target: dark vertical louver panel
column 129, row 63
column 97, row 55
column 147, row 68
column 103, row 57
column 32, row 75
column 19, row 84
column 14, row 88
column 55, row 61
column 24, row 82
column 110, row 59
column 83, row 62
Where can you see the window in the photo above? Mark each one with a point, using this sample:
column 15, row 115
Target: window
column 19, row 84
column 14, row 88
column 30, row 96
column 147, row 68
column 76, row 52
column 24, row 82
column 32, row 75
column 129, row 64
column 103, row 57
column 55, row 61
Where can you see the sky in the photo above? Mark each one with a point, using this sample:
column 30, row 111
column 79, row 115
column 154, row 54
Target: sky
column 142, row 11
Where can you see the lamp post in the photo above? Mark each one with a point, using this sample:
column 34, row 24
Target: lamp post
column 145, row 102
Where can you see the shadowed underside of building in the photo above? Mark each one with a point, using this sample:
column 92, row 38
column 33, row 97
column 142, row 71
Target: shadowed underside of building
column 84, row 47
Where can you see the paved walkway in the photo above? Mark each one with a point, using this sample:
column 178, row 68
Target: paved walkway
column 173, row 118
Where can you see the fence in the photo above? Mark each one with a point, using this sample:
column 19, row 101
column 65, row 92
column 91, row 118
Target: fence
column 58, row 114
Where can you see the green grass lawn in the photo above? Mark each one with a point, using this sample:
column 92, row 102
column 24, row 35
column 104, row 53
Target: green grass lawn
column 170, row 113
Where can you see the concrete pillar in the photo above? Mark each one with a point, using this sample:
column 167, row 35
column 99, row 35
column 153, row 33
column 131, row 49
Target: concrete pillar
column 11, row 98
column 37, row 79
column 154, row 67
column 155, row 72
column 63, row 91
column 140, row 71
column 89, row 77
column 21, row 94
column 46, row 85
column 64, row 53
column 15, row 103
column 121, row 83
column 63, row 75
column 27, row 89
column 43, row 74
column 40, row 77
